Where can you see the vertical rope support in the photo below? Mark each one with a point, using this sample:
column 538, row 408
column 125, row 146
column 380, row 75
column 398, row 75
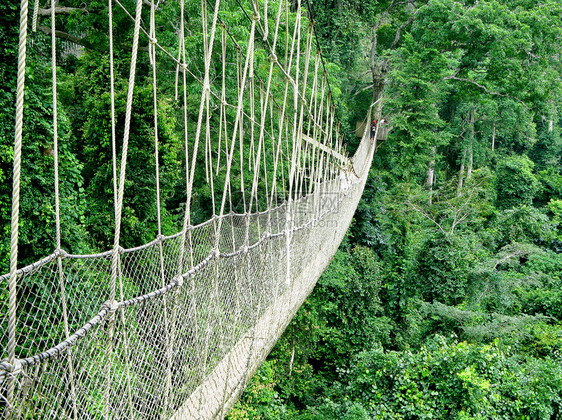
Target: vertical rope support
column 268, row 108
column 205, row 91
column 302, row 110
column 57, row 207
column 202, row 365
column 205, row 31
column 251, row 81
column 275, row 61
column 316, row 129
column 187, row 215
column 204, row 102
column 237, row 121
column 252, row 153
column 241, row 89
column 296, row 145
column 327, row 165
column 222, row 116
column 12, row 282
column 186, row 236
column 112, row 98
column 267, row 93
column 266, row 22
column 35, row 14
column 152, row 53
column 277, row 151
column 114, row 171
column 285, row 167
column 115, row 262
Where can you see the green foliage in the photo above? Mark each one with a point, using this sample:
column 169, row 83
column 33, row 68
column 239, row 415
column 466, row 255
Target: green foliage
column 261, row 400
column 547, row 150
column 351, row 306
column 550, row 186
column 472, row 90
column 516, row 185
column 443, row 267
column 416, row 91
column 522, row 224
column 450, row 379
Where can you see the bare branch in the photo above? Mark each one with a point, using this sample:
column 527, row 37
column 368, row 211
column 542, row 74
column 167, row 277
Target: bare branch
column 363, row 89
column 428, row 217
column 401, row 28
column 62, row 10
column 484, row 88
column 517, row 253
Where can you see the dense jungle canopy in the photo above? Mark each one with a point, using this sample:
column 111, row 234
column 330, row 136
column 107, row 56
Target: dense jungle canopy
column 445, row 299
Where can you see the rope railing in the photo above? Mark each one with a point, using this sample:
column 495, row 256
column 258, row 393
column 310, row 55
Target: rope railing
column 174, row 327
column 108, row 307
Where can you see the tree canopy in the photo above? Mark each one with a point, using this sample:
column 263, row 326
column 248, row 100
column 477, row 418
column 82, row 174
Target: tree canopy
column 453, row 314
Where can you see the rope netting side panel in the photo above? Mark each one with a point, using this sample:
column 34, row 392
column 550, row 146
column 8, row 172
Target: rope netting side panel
column 175, row 327
column 313, row 244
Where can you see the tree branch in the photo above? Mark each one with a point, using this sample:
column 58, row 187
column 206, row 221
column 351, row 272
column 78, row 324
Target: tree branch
column 484, row 88
column 62, row 10
column 401, row 28
column 516, row 253
column 64, row 35
column 362, row 89
column 420, row 211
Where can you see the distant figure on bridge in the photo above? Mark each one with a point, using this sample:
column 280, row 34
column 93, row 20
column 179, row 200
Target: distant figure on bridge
column 373, row 129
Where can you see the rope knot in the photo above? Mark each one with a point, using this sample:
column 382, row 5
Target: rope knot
column 7, row 369
column 256, row 16
column 179, row 282
column 160, row 237
column 273, row 58
column 112, row 305
column 61, row 252
column 153, row 41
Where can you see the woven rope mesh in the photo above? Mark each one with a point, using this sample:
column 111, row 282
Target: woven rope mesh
column 187, row 352
column 178, row 326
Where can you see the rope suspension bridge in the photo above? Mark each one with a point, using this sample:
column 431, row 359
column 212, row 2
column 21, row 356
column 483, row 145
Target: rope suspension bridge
column 176, row 327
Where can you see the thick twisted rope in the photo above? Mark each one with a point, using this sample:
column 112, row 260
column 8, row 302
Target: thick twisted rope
column 60, row 270
column 12, row 282
column 119, row 206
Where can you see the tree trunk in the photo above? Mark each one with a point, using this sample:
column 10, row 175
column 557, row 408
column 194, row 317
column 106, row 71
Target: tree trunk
column 377, row 73
column 292, row 360
column 470, row 148
column 470, row 161
column 461, row 173
column 430, row 180
column 493, row 136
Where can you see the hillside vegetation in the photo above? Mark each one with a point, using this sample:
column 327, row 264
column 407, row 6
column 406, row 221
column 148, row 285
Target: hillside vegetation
column 445, row 299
